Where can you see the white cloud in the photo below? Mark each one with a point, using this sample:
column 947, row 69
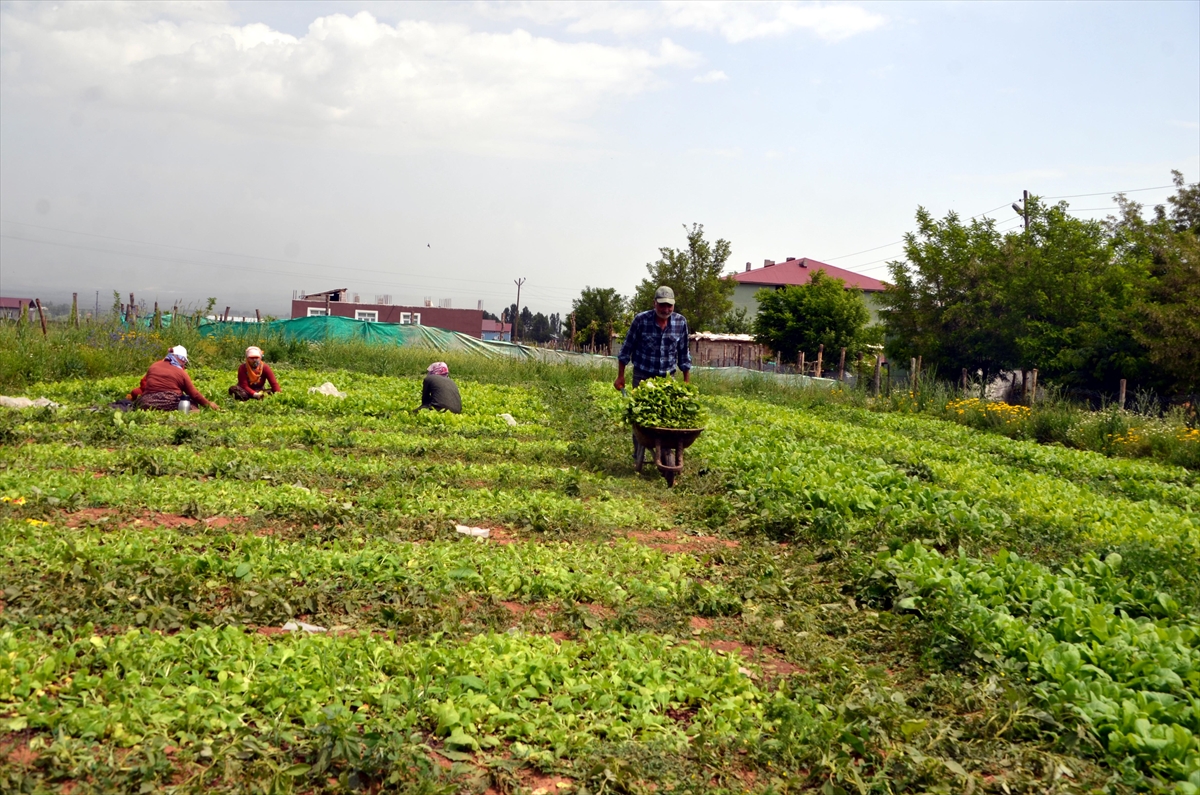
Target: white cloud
column 408, row 83
column 741, row 21
column 731, row 152
column 715, row 76
column 734, row 21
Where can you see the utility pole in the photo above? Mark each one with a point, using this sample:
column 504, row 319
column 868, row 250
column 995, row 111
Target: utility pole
column 517, row 317
column 1023, row 208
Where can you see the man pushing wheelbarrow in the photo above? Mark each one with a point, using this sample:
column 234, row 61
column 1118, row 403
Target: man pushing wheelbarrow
column 657, row 345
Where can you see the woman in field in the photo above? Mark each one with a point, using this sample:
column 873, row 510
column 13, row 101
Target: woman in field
column 254, row 377
column 438, row 391
column 167, row 383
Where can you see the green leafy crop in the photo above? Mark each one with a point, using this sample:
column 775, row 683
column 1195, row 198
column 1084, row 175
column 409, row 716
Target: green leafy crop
column 666, row 403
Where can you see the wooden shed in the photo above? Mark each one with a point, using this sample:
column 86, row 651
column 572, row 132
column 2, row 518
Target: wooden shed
column 727, row 350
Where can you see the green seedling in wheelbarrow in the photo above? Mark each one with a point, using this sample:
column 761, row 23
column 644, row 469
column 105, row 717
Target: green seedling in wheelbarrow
column 666, row 417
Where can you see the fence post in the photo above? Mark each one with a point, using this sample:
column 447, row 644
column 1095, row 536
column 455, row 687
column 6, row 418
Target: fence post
column 801, row 362
column 842, row 365
column 1120, row 394
column 257, row 317
column 42, row 317
column 878, row 366
column 75, row 310
column 1033, row 386
column 820, row 357
column 964, row 382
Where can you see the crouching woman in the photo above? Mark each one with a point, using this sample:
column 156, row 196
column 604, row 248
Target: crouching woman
column 438, row 391
column 167, row 383
column 254, row 377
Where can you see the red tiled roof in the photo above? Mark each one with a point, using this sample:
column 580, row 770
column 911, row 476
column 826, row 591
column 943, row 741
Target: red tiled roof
column 14, row 303
column 800, row 271
column 496, row 325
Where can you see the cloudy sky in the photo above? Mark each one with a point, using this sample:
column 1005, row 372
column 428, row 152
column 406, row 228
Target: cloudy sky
column 244, row 150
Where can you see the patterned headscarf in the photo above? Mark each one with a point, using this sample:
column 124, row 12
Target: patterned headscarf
column 438, row 368
column 176, row 361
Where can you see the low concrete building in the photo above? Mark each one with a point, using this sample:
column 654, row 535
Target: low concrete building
column 793, row 271
column 495, row 330
column 341, row 303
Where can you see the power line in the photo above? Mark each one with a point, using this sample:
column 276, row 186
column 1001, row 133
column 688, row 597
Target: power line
column 1001, row 207
column 898, row 242
column 181, row 261
column 1108, row 192
column 233, row 254
column 1011, row 225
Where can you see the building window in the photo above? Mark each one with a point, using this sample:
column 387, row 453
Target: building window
column 366, row 314
column 405, row 318
column 314, row 312
column 416, row 318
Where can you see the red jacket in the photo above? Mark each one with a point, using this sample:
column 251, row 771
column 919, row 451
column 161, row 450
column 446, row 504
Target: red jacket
column 166, row 377
column 264, row 377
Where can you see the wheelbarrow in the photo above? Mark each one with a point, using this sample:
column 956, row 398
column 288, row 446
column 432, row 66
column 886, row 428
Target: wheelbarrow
column 667, row 444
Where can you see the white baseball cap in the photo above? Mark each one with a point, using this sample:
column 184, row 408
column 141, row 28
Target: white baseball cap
column 179, row 351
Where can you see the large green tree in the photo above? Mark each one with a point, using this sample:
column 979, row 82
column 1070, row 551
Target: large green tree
column 1059, row 296
column 945, row 298
column 599, row 313
column 1167, row 318
column 803, row 317
column 696, row 274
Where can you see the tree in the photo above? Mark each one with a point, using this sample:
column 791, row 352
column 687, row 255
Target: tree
column 539, row 328
column 1057, row 296
column 944, row 299
column 736, row 321
column 803, row 317
column 696, row 274
column 599, row 312
column 1166, row 320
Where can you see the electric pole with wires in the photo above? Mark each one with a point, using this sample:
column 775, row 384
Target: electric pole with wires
column 517, row 315
column 1023, row 208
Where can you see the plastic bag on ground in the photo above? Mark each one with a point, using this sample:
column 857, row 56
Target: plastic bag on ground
column 300, row 626
column 474, row 532
column 508, row 418
column 326, row 389
column 26, row 403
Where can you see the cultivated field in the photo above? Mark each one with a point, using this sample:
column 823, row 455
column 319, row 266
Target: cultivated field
column 831, row 599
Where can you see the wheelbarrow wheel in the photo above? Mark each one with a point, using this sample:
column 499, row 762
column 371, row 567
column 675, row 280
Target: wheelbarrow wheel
column 639, row 455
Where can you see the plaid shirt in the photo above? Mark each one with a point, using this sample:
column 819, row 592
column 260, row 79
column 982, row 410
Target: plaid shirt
column 656, row 351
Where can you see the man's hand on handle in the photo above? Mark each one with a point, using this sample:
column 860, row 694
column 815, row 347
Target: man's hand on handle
column 619, row 384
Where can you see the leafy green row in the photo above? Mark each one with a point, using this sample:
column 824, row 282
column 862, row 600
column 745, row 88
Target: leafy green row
column 166, row 579
column 541, row 510
column 252, row 463
column 215, row 685
column 898, row 436
column 788, row 467
column 365, row 394
column 1124, row 663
